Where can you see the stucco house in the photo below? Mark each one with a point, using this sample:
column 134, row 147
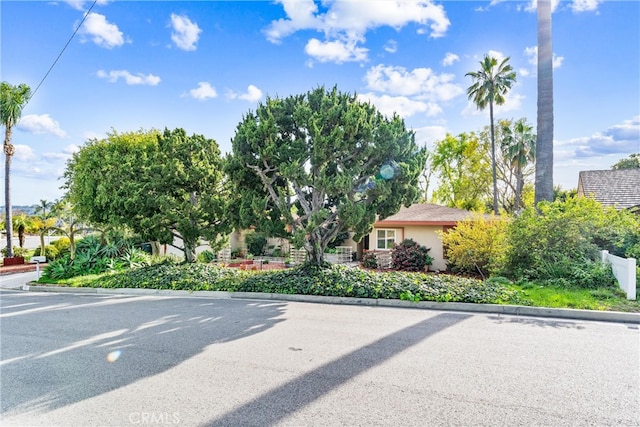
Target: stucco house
column 420, row 222
column 618, row 188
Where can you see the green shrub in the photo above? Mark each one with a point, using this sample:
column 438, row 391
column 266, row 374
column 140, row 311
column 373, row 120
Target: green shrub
column 560, row 241
column 410, row 256
column 91, row 241
column 237, row 253
column 255, row 242
column 63, row 245
column 50, row 251
column 17, row 251
column 476, row 245
column 206, row 256
column 369, row 260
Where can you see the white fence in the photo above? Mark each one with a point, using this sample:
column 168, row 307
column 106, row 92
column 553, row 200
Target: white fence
column 343, row 255
column 224, row 255
column 297, row 256
column 625, row 271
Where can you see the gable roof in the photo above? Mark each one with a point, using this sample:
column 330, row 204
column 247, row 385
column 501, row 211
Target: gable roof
column 425, row 214
column 619, row 188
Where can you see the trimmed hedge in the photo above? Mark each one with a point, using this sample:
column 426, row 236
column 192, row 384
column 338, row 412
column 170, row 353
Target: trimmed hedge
column 311, row 280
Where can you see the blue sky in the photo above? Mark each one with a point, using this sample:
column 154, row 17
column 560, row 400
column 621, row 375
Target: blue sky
column 201, row 65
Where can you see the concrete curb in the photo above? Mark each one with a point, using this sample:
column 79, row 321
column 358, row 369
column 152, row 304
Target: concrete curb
column 513, row 310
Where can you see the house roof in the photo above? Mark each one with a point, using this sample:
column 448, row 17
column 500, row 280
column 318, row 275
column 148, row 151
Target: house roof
column 619, row 188
column 425, row 214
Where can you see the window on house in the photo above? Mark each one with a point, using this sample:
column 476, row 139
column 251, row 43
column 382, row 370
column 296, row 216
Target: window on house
column 385, row 239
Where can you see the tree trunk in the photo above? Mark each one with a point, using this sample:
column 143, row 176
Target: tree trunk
column 7, row 194
column 42, row 245
column 72, row 245
column 493, row 161
column 189, row 254
column 519, row 187
column 21, row 236
column 155, row 248
column 315, row 249
column 544, row 143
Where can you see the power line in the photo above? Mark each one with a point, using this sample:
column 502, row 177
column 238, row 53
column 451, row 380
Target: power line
column 62, row 51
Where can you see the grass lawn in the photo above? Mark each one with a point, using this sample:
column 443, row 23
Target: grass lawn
column 588, row 299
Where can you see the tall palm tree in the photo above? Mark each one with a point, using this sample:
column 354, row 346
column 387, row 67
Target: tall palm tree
column 519, row 144
column 12, row 101
column 490, row 84
column 42, row 208
column 544, row 145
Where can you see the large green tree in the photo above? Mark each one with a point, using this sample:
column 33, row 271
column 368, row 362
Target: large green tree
column 631, row 162
column 544, row 144
column 325, row 163
column 490, row 84
column 462, row 169
column 166, row 186
column 12, row 101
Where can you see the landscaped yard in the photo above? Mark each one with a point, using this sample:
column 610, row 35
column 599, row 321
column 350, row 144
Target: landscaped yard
column 355, row 282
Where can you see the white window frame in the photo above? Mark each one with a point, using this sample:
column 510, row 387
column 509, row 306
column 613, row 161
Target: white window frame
column 387, row 237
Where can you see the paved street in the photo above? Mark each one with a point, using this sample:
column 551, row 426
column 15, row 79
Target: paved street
column 79, row 360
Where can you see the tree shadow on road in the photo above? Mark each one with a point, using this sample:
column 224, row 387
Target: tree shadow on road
column 542, row 323
column 102, row 343
column 285, row 400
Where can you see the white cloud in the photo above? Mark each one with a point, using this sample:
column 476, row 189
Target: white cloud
column 137, row 79
column 102, row 32
column 344, row 23
column 576, row 6
column 428, row 135
column 532, row 54
column 41, row 124
column 585, row 5
column 62, row 155
column 335, row 51
column 23, row 153
column 512, row 102
column 401, row 105
column 423, row 83
column 253, row 94
column 81, row 5
column 391, row 46
column 203, row 91
column 185, row 33
column 619, row 139
column 449, row 59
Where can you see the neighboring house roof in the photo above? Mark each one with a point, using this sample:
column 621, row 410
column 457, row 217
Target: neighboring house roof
column 619, row 188
column 424, row 214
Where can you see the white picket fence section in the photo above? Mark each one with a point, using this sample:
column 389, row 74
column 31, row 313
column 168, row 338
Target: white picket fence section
column 297, row 256
column 343, row 255
column 625, row 271
column 224, row 255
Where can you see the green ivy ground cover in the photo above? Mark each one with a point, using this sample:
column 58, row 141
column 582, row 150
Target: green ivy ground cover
column 353, row 282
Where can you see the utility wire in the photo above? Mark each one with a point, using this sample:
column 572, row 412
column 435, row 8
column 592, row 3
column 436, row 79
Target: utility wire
column 62, row 51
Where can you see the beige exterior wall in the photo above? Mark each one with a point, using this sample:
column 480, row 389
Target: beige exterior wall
column 425, row 235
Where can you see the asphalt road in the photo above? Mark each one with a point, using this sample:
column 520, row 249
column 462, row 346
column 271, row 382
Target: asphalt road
column 80, row 360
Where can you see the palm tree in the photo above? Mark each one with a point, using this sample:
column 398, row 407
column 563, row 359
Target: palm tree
column 490, row 84
column 519, row 144
column 42, row 208
column 544, row 145
column 12, row 101
column 22, row 224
